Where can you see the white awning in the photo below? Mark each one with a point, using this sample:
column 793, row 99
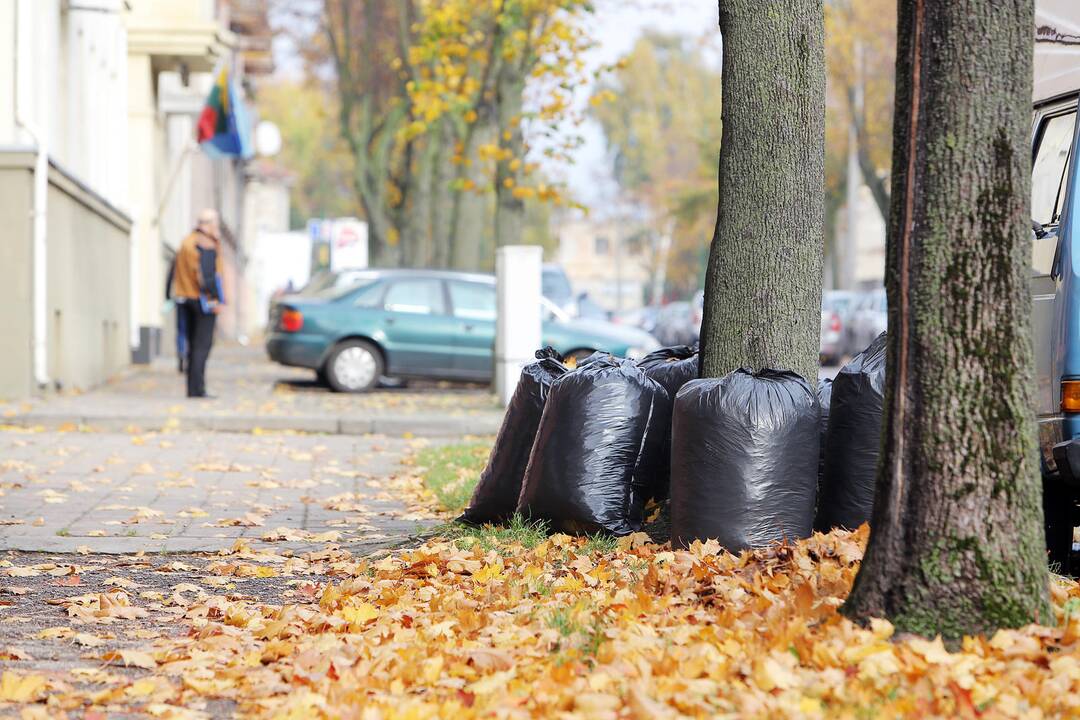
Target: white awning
column 1057, row 49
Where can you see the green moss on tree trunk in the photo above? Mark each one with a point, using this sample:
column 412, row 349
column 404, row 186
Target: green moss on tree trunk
column 763, row 284
column 956, row 543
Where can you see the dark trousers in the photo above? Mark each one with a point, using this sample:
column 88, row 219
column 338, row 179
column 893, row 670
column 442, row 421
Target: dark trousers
column 200, row 336
column 181, row 337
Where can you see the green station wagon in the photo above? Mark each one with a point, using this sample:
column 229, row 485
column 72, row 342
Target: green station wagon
column 418, row 324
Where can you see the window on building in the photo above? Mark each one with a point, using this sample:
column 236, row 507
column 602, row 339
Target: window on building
column 601, row 245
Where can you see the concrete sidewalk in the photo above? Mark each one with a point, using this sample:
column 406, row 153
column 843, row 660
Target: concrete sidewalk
column 194, row 492
column 256, row 395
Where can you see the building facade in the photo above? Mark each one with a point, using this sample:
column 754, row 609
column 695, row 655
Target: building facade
column 64, row 216
column 175, row 46
column 610, row 260
column 100, row 176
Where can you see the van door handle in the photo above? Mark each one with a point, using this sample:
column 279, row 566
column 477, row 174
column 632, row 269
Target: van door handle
column 469, row 328
column 389, row 321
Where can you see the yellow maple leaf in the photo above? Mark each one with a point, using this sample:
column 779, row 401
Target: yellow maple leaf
column 21, row 688
column 489, row 573
column 933, row 651
column 770, row 674
column 359, row 614
column 141, row 688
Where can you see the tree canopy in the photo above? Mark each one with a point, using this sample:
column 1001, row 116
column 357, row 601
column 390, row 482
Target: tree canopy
column 436, row 102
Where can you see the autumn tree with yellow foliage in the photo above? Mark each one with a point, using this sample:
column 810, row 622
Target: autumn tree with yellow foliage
column 437, row 98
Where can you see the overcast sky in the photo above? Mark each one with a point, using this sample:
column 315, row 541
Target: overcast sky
column 616, row 26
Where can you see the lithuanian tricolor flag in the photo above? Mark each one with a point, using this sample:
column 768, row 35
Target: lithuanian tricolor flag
column 223, row 124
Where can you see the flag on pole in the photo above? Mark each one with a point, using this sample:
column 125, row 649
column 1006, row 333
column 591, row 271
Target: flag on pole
column 223, row 125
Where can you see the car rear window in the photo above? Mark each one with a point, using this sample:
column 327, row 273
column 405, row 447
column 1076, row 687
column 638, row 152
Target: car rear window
column 367, row 296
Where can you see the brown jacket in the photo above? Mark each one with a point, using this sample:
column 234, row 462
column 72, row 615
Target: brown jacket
column 186, row 280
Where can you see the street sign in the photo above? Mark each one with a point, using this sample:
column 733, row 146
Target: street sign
column 349, row 240
column 318, row 231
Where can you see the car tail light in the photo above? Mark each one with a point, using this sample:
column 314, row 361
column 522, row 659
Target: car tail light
column 292, row 320
column 835, row 325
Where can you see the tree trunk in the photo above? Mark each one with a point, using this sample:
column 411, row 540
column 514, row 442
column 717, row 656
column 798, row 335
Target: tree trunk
column 873, row 180
column 469, row 214
column 415, row 211
column 442, row 194
column 509, row 209
column 763, row 284
column 956, row 545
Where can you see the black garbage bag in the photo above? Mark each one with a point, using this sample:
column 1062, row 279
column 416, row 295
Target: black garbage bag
column 672, row 367
column 853, row 441
column 599, row 451
column 744, row 459
column 496, row 494
column 597, row 356
column 824, row 396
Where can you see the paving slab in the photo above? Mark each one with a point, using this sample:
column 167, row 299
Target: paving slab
column 254, row 394
column 114, row 493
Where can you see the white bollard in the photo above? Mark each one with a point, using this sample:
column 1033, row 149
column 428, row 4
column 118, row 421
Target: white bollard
column 517, row 326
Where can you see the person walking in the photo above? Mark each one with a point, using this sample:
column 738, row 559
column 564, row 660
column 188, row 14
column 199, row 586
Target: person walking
column 181, row 328
column 196, row 288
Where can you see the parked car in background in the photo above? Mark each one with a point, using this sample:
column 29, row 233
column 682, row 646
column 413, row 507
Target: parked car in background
column 329, row 281
column 697, row 313
column 643, row 318
column 555, row 286
column 836, row 309
column 420, row 324
column 869, row 319
column 675, row 325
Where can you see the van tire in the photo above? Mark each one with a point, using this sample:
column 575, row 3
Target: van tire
column 1058, row 503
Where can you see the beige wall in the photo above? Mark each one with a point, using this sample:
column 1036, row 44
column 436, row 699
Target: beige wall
column 87, row 250
column 599, row 260
column 16, row 322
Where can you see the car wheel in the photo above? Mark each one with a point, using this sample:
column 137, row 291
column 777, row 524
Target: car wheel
column 354, row 366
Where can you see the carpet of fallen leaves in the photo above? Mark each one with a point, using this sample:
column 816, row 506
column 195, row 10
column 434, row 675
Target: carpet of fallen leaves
column 570, row 628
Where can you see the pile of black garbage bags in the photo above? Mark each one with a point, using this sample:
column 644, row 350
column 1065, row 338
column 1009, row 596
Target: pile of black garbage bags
column 748, row 459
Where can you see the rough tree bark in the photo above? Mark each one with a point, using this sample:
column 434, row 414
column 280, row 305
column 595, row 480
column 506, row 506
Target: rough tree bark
column 763, row 284
column 509, row 101
column 442, row 196
column 956, row 543
column 470, row 209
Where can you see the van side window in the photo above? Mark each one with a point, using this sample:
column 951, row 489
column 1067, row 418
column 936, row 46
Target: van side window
column 1049, row 171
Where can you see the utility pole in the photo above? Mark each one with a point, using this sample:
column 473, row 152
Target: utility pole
column 660, row 276
column 618, row 235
